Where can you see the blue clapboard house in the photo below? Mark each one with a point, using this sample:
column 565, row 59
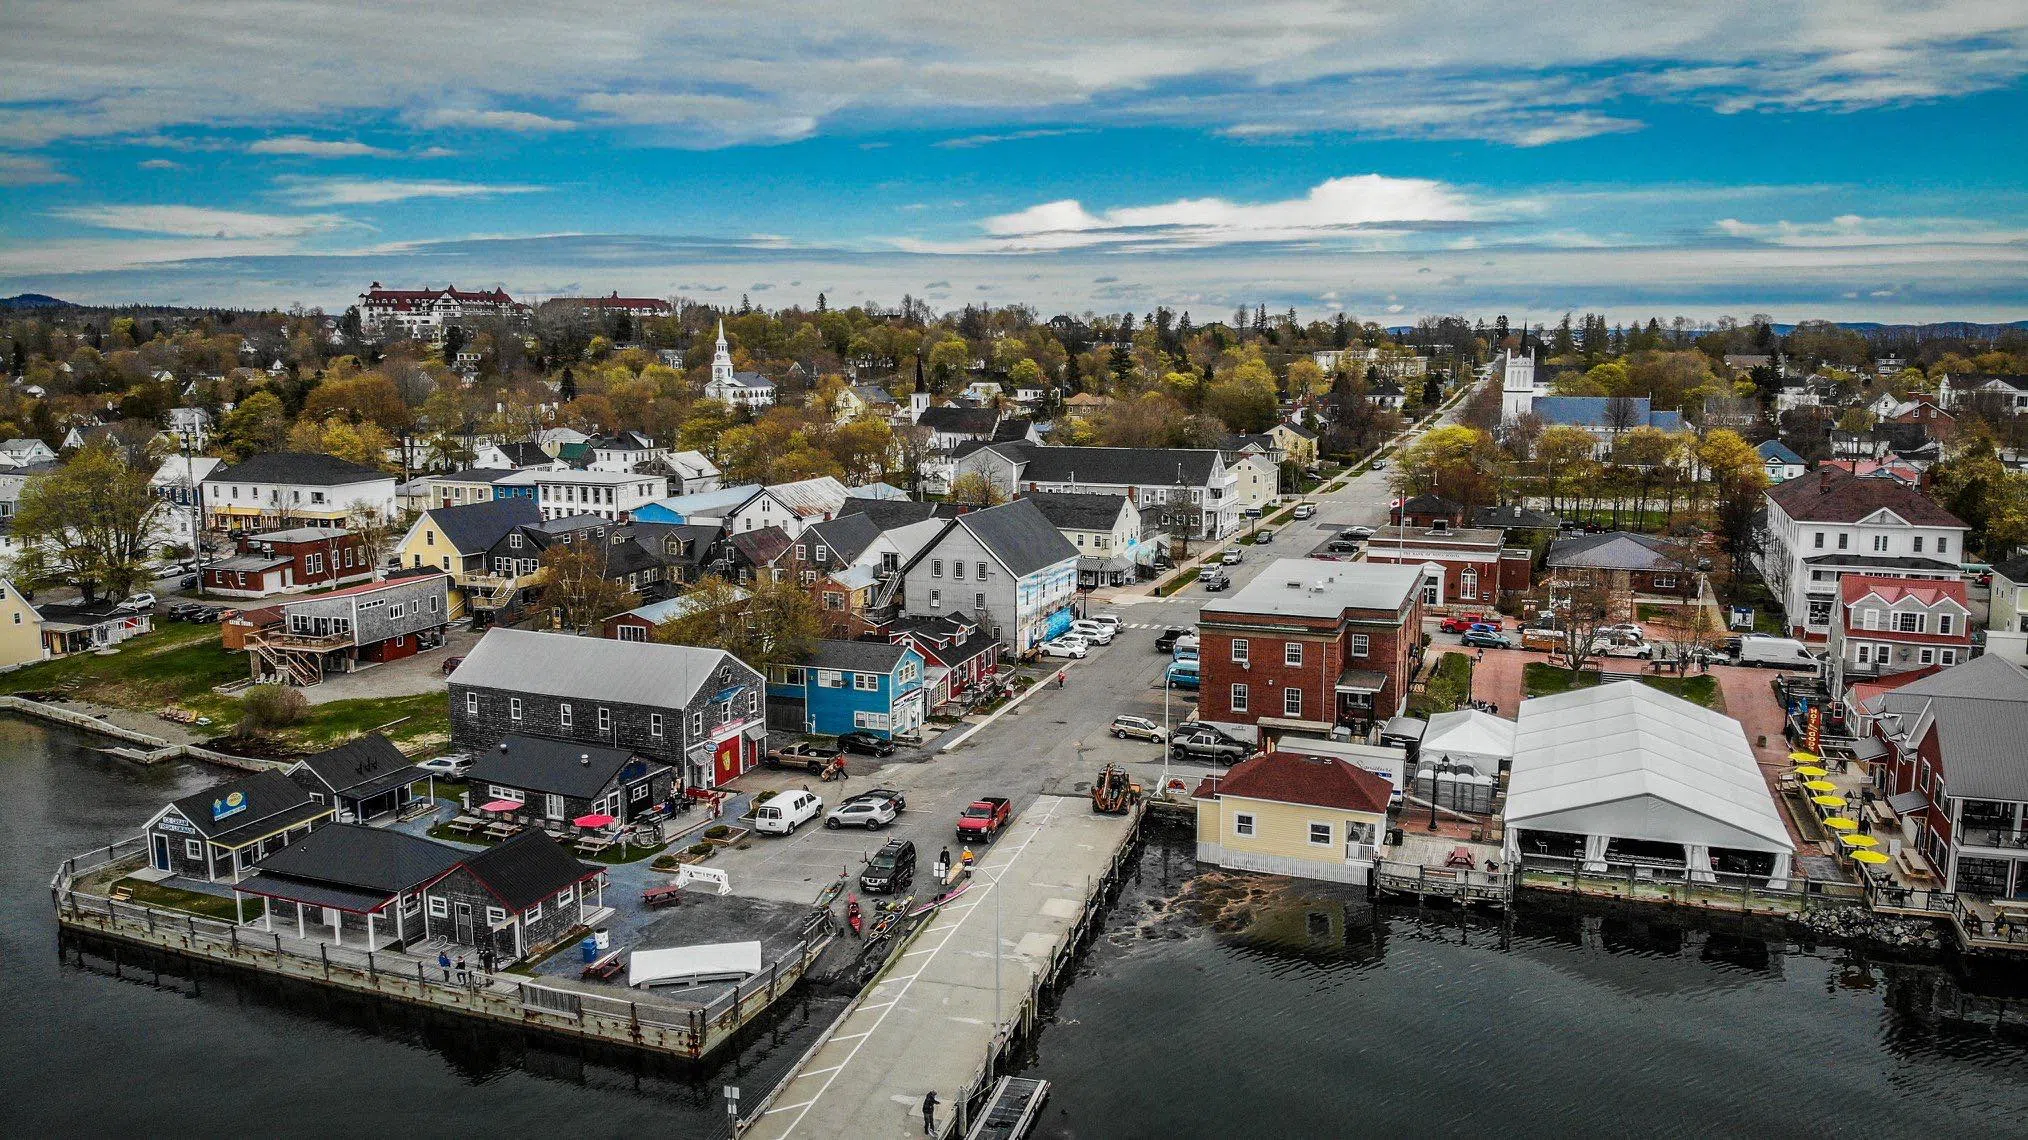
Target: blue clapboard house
column 870, row 686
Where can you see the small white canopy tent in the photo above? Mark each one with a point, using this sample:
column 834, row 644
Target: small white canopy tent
column 1629, row 761
column 1468, row 736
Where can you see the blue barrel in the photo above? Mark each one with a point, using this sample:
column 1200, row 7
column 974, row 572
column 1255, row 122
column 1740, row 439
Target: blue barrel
column 590, row 948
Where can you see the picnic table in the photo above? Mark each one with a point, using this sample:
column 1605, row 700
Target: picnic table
column 464, row 824
column 665, row 895
column 592, row 844
column 500, row 829
column 605, row 968
column 1460, row 857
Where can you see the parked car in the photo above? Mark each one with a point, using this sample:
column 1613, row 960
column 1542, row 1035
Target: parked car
column 1069, row 645
column 1138, row 727
column 870, row 814
column 1361, row 532
column 187, row 582
column 1185, row 648
column 1487, row 639
column 1625, row 631
column 1342, row 546
column 1776, row 653
column 1182, row 674
column 1110, row 621
column 1459, row 623
column 786, row 812
column 984, row 819
column 802, row 754
column 1231, row 557
column 1617, row 647
column 139, row 603
column 1305, row 511
column 899, row 801
column 1093, row 632
column 1214, row 581
column 1205, row 743
column 866, row 742
column 452, row 767
column 1378, row 465
column 1264, row 536
column 891, row 869
column 1167, row 639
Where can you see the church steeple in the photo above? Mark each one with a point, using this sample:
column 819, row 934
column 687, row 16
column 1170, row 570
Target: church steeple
column 721, row 361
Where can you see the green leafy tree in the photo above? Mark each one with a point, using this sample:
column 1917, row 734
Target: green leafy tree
column 258, row 425
column 87, row 524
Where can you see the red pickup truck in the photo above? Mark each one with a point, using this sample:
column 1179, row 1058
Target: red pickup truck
column 983, row 820
column 1459, row 623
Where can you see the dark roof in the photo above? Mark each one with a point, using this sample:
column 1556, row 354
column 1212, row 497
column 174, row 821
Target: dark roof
column 79, row 613
column 1066, row 510
column 364, row 767
column 1613, row 550
column 1979, row 711
column 623, row 441
column 1018, row 534
column 1299, row 429
column 1883, row 562
column 527, row 869
column 477, row 526
column 763, row 547
column 858, row 656
column 1137, row 466
column 1980, row 379
column 960, row 421
column 273, row 802
column 888, row 514
column 2014, row 569
column 1012, row 428
column 526, row 453
column 1831, row 494
column 364, row 858
column 1908, row 437
column 299, row 467
column 477, row 475
column 696, row 541
column 845, row 536
column 543, row 765
column 1428, row 504
column 1515, row 518
column 1780, row 452
column 1311, row 781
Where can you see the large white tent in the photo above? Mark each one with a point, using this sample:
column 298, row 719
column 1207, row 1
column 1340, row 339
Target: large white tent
column 1627, row 761
column 1469, row 736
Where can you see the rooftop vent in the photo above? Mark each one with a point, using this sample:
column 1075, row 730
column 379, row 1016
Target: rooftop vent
column 584, row 758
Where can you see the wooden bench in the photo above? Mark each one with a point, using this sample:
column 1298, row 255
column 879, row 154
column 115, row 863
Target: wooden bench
column 605, row 968
column 1911, row 863
column 121, row 894
column 661, row 896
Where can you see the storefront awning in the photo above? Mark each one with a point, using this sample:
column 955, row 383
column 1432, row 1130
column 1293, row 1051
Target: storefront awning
column 1361, row 681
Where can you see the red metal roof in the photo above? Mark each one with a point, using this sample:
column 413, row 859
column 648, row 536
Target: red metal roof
column 1928, row 591
column 1316, row 781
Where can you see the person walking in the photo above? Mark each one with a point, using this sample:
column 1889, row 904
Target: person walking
column 929, row 1113
column 464, row 975
column 943, row 866
column 444, row 964
column 966, row 858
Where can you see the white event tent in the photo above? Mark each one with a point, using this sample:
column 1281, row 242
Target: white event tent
column 1630, row 767
column 1469, row 736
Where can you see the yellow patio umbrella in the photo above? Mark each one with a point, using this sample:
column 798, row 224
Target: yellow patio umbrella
column 1867, row 855
column 1811, row 772
column 1803, row 757
column 1858, row 841
column 1840, row 823
column 1820, row 785
column 1828, row 801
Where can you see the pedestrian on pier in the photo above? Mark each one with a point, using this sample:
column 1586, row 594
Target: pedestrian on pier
column 444, row 964
column 929, row 1113
column 464, row 975
column 966, row 857
column 943, row 866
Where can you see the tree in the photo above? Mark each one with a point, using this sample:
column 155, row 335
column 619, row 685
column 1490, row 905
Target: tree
column 1562, row 453
column 1739, row 479
column 87, row 524
column 773, row 621
column 976, row 489
column 257, row 426
column 268, row 707
column 1583, row 604
column 366, row 444
column 576, row 588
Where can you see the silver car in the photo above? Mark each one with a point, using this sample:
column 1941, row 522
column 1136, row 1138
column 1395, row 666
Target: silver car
column 871, row 814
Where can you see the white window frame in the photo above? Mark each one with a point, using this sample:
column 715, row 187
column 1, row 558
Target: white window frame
column 1329, row 834
column 655, row 725
column 605, row 721
column 1362, row 644
column 513, row 708
column 1292, row 702
column 1243, row 824
column 193, row 849
column 1292, row 653
column 866, row 682
column 495, row 916
column 472, row 704
column 1242, row 651
column 563, row 714
column 439, row 906
column 1240, row 696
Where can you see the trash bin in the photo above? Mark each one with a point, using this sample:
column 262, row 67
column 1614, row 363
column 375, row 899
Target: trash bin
column 604, row 938
column 590, row 947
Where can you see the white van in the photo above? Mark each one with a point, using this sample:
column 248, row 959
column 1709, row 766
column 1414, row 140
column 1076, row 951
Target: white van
column 1775, row 653
column 786, row 812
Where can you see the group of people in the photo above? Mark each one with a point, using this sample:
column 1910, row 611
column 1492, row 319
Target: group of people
column 459, row 974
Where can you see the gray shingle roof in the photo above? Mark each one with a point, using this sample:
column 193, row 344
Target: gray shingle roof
column 1614, row 550
column 366, row 858
column 298, row 467
column 1065, row 510
column 960, row 421
column 1979, row 711
column 272, row 800
column 1018, row 535
column 526, row 869
column 1515, row 518
column 475, row 527
column 539, row 764
column 559, row 665
column 845, row 536
column 366, row 766
column 859, row 656
column 1119, row 466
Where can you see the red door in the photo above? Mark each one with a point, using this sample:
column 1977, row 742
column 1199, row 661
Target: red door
column 725, row 760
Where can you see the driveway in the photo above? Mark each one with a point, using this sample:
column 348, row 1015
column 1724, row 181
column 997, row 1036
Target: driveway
column 423, row 673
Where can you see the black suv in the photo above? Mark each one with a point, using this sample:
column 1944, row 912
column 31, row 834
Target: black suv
column 891, row 869
column 866, row 742
column 1166, row 643
column 1202, row 742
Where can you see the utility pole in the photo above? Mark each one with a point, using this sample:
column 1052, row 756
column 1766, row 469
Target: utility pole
column 196, row 509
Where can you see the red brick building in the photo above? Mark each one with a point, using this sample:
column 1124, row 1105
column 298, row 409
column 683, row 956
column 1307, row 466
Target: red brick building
column 1311, row 645
column 305, row 558
column 1461, row 567
column 1426, row 510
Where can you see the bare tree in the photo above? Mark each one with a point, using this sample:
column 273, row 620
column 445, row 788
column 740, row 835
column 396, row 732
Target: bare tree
column 1582, row 601
column 575, row 584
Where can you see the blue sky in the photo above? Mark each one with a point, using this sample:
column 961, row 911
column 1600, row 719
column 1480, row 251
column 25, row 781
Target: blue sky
column 1861, row 160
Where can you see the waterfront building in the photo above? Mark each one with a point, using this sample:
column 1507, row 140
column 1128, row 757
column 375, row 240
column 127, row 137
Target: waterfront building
column 371, row 623
column 362, row 886
column 562, row 780
column 302, row 558
column 698, row 709
column 87, row 627
column 219, row 833
column 518, row 898
column 366, row 779
column 848, row 686
column 1831, row 523
column 1312, row 817
column 957, row 655
column 20, row 629
column 1889, row 626
column 1624, row 776
column 1468, row 738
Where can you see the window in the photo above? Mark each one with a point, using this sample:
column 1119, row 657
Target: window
column 1664, row 581
column 534, row 912
column 1242, row 823
column 1948, row 657
column 1917, row 547
column 563, row 714
column 495, row 916
column 514, row 542
column 982, row 571
column 958, row 571
column 1360, row 644
column 1844, row 540
column 936, row 567
column 1241, row 651
column 822, row 554
column 439, row 908
column 866, row 682
column 605, row 720
column 1239, row 696
column 831, row 679
column 1943, row 545
column 802, row 552
column 472, row 704
column 1869, row 618
column 193, row 849
column 1292, row 701
column 979, row 601
column 564, row 896
column 1865, row 654
column 1818, row 543
column 514, row 708
column 1908, row 623
column 753, row 702
column 936, row 600
column 1880, row 544
column 1320, row 834
column 633, row 633
column 1926, row 656
column 697, row 724
column 655, row 725
column 834, row 600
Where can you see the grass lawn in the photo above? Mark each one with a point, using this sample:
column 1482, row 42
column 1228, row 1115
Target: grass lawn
column 1541, row 679
column 176, row 664
column 1450, row 685
column 429, row 718
column 1182, row 580
column 201, row 905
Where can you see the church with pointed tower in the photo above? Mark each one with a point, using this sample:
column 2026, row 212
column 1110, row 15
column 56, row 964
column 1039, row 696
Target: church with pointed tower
column 736, row 389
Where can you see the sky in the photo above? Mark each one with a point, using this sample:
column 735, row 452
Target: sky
column 1857, row 160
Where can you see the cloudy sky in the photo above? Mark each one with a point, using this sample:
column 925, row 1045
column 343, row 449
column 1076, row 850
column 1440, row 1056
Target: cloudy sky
column 1858, row 159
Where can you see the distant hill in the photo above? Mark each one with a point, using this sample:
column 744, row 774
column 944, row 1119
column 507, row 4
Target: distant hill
column 34, row 301
column 1872, row 330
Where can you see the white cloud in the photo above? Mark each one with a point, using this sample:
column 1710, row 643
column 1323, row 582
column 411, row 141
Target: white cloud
column 29, row 170
column 375, row 191
column 969, row 141
column 471, row 118
column 199, row 221
column 159, row 164
column 1848, row 230
column 305, row 147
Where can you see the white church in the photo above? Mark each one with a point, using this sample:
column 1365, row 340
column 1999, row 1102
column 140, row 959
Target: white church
column 1525, row 392
column 740, row 389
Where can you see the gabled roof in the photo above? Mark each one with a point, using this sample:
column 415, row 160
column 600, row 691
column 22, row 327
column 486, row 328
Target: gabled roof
column 1832, row 495
column 526, row 453
column 1468, row 731
column 1979, row 711
column 1923, row 591
column 366, row 766
column 821, row 497
column 763, row 547
column 560, row 665
column 1311, row 781
column 1429, row 504
column 272, row 801
column 1117, row 466
column 1297, row 429
column 888, row 514
column 527, row 869
column 564, row 767
column 1613, row 550
column 847, row 536
column 376, row 859
column 1077, row 511
column 476, row 527
column 1017, row 534
column 1780, row 452
column 301, row 468
column 960, row 421
column 857, row 656
column 407, row 577
column 1595, row 411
